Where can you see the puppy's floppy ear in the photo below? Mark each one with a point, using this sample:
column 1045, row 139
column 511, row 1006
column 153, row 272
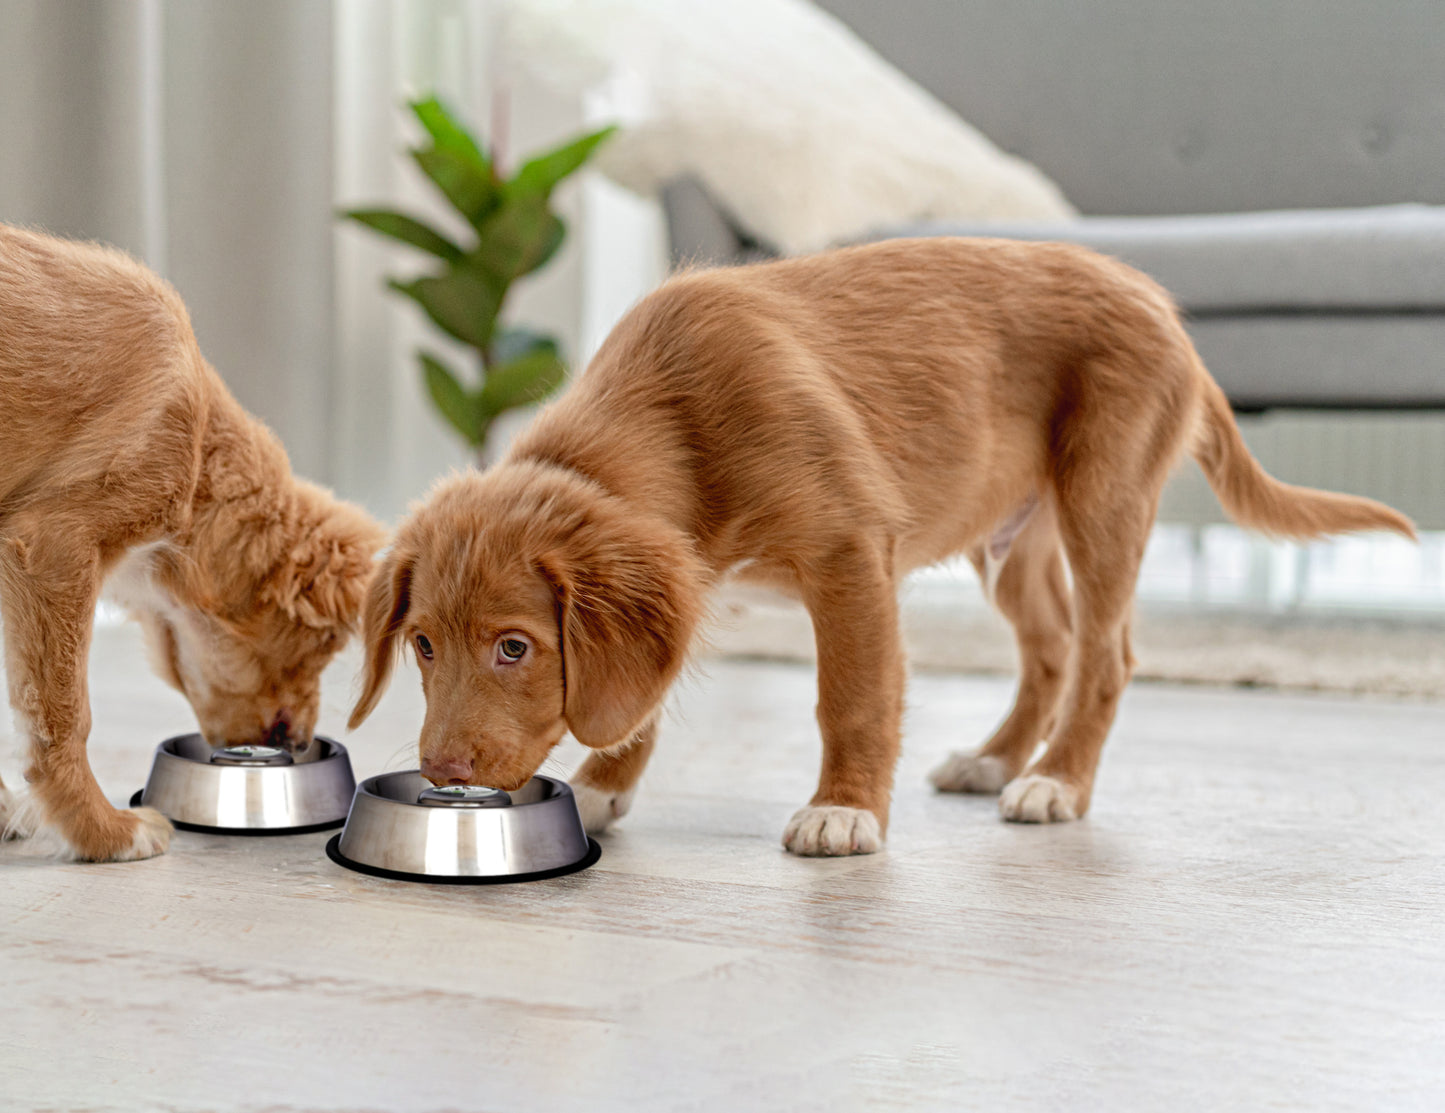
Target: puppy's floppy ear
column 629, row 600
column 382, row 615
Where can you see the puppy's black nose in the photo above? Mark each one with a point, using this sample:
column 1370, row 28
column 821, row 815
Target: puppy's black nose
column 279, row 732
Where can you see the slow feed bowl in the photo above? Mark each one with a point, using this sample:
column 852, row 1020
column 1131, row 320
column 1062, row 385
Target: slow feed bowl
column 403, row 828
column 248, row 790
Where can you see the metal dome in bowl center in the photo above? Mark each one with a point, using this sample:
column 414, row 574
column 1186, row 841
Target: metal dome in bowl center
column 402, row 827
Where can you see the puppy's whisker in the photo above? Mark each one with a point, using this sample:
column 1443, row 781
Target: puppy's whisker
column 403, row 756
column 557, row 767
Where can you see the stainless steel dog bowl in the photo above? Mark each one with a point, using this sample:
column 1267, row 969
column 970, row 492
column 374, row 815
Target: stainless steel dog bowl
column 402, row 828
column 248, row 790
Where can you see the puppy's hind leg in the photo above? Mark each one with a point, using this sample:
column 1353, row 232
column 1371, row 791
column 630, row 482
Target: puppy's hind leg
column 607, row 781
column 854, row 606
column 1105, row 529
column 48, row 594
column 1031, row 590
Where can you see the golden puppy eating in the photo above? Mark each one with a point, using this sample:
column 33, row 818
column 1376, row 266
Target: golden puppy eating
column 824, row 425
column 124, row 459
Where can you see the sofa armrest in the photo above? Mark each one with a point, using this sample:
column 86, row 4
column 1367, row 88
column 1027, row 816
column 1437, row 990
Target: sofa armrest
column 698, row 232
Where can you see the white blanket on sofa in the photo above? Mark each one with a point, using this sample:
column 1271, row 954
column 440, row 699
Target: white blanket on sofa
column 792, row 124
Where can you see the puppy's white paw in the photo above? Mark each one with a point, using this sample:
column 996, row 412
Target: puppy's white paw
column 829, row 830
column 152, row 836
column 1034, row 798
column 970, row 773
column 599, row 809
column 19, row 815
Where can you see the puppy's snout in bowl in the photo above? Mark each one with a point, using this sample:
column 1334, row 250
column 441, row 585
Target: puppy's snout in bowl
column 286, row 731
column 447, row 770
column 279, row 732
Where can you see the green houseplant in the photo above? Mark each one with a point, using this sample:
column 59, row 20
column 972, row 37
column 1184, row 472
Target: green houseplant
column 511, row 231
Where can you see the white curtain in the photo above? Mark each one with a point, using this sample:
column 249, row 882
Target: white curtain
column 389, row 444
column 196, row 135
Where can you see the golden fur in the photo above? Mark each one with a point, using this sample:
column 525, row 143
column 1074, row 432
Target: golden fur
column 122, row 455
column 824, row 425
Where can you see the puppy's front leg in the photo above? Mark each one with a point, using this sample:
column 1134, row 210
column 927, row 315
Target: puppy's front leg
column 48, row 596
column 854, row 606
column 607, row 781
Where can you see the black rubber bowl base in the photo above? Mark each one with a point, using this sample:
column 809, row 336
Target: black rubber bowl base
column 333, row 851
column 201, row 829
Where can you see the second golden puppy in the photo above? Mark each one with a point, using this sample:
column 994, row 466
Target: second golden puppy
column 126, row 464
column 824, row 425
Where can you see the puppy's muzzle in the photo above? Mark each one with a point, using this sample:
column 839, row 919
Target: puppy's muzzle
column 447, row 770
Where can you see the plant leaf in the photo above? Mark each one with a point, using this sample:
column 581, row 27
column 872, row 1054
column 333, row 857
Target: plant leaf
column 463, row 303
column 471, row 192
column 522, row 381
column 554, row 233
column 448, row 134
column 516, row 239
column 451, row 398
column 540, row 176
column 399, row 226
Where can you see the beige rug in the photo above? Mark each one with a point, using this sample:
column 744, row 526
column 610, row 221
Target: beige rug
column 947, row 630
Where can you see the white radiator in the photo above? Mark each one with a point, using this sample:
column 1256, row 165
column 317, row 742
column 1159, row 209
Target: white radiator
column 1398, row 458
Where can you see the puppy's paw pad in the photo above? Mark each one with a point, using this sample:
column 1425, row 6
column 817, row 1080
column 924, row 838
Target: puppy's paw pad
column 970, row 773
column 830, row 831
column 1035, row 798
column 152, row 836
column 598, row 809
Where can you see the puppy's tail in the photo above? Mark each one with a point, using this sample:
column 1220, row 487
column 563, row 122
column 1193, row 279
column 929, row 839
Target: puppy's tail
column 1254, row 498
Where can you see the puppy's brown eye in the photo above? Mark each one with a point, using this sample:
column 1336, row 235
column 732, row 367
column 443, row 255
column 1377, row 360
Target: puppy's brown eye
column 423, row 646
column 513, row 649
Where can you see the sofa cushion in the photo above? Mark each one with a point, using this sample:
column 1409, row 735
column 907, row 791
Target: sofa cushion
column 1386, row 259
column 1325, row 361
column 1331, row 308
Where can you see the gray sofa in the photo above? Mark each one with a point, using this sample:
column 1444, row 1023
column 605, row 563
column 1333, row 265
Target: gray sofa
column 1279, row 165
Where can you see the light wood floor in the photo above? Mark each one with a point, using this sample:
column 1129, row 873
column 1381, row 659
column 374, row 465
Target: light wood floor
column 1252, row 917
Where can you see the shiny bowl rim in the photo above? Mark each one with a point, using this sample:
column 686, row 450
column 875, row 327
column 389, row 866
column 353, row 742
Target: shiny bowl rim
column 340, row 754
column 363, row 788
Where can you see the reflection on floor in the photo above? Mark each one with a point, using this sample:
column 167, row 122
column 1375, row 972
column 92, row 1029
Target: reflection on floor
column 1251, row 916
